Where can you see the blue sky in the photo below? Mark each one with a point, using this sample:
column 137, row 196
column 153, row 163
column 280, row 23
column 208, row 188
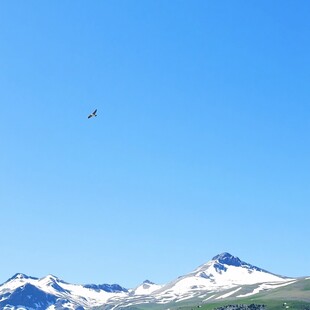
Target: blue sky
column 201, row 144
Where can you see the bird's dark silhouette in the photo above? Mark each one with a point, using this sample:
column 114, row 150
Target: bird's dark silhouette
column 92, row 114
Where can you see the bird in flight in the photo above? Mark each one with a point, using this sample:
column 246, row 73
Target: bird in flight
column 93, row 114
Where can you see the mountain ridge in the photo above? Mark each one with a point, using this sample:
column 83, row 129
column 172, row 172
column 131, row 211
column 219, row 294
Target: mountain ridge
column 223, row 276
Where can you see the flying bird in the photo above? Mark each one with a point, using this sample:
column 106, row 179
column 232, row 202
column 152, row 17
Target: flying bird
column 93, row 114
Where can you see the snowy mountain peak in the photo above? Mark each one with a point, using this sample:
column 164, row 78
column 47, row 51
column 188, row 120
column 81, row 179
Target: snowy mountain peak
column 147, row 287
column 228, row 259
column 50, row 278
column 222, row 261
column 20, row 277
column 52, row 282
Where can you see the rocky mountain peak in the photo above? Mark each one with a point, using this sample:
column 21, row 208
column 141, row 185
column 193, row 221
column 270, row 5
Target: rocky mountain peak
column 228, row 259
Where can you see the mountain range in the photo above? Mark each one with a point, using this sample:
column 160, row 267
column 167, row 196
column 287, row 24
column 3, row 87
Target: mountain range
column 225, row 277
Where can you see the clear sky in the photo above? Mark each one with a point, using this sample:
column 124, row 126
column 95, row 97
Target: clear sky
column 201, row 144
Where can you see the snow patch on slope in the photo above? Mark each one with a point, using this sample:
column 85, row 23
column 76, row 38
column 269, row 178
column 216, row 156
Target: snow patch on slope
column 266, row 286
column 229, row 293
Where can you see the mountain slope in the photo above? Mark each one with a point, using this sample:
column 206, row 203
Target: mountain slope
column 223, row 272
column 28, row 296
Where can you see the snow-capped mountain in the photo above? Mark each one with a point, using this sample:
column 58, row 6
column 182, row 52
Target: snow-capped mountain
column 35, row 293
column 224, row 272
column 222, row 277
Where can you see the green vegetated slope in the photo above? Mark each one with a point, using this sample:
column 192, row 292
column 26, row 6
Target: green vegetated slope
column 300, row 290
column 295, row 295
column 271, row 304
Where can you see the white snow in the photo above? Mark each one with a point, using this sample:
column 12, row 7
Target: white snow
column 229, row 293
column 266, row 286
column 209, row 278
column 237, row 275
column 146, row 288
column 184, row 298
column 209, row 297
column 212, row 280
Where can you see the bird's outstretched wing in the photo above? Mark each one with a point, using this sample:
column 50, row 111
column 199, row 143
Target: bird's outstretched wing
column 93, row 114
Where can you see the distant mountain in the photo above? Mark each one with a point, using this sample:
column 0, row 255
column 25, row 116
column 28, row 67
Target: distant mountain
column 52, row 293
column 146, row 288
column 224, row 277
